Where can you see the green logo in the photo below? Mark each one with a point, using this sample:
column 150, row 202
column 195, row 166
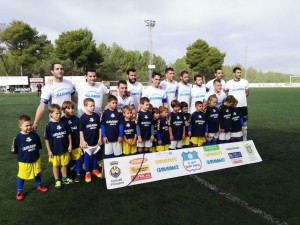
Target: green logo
column 211, row 148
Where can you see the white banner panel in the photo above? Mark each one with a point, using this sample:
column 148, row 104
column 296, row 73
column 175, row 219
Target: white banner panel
column 73, row 79
column 138, row 169
column 19, row 80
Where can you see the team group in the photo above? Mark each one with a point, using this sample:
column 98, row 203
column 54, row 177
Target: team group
column 167, row 115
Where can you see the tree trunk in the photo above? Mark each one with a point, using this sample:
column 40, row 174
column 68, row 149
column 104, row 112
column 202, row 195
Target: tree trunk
column 21, row 70
column 4, row 64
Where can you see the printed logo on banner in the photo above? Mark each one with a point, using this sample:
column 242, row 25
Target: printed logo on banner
column 115, row 172
column 250, row 151
column 210, row 154
column 191, row 161
column 211, row 148
column 236, row 157
column 140, row 170
column 213, row 161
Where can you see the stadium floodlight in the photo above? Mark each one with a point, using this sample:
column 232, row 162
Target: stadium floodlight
column 150, row 24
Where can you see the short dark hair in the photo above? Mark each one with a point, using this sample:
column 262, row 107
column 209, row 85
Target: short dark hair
column 89, row 70
column 23, row 118
column 236, row 68
column 183, row 104
column 111, row 98
column 175, row 103
column 217, row 81
column 53, row 64
column 130, row 70
column 122, row 82
column 198, row 75
column 155, row 74
column 218, row 68
column 144, row 99
column 183, row 72
column 198, row 103
column 169, row 69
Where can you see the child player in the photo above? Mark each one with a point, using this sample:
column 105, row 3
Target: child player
column 186, row 116
column 27, row 145
column 156, row 115
column 212, row 115
column 144, row 126
column 73, row 122
column 163, row 135
column 90, row 138
column 177, row 126
column 197, row 128
column 130, row 137
column 237, row 124
column 225, row 115
column 58, row 142
column 112, row 127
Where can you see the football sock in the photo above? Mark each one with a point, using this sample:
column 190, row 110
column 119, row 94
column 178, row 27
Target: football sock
column 214, row 142
column 38, row 179
column 94, row 161
column 87, row 158
column 108, row 156
column 78, row 166
column 20, row 184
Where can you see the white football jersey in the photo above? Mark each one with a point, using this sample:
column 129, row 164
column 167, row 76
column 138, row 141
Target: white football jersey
column 156, row 96
column 238, row 90
column 221, row 96
column 210, row 85
column 170, row 88
column 197, row 94
column 184, row 93
column 136, row 91
column 123, row 101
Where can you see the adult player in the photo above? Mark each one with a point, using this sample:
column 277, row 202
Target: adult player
column 90, row 89
column 198, row 92
column 218, row 75
column 169, row 85
column 134, row 87
column 217, row 90
column 55, row 92
column 239, row 88
column 184, row 88
column 154, row 93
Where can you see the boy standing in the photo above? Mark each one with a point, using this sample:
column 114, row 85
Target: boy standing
column 144, row 126
column 90, row 138
column 73, row 122
column 130, row 136
column 26, row 145
column 197, row 127
column 187, row 117
column 112, row 128
column 177, row 128
column 58, row 143
column 163, row 135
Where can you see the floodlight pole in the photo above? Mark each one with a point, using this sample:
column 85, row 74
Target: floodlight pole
column 246, row 63
column 150, row 24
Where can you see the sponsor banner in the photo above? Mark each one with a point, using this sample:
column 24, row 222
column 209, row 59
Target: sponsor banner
column 138, row 169
column 18, row 80
column 36, row 80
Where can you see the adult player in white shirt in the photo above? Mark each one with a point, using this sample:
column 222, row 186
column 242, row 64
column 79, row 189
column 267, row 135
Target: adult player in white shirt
column 134, row 87
column 156, row 95
column 122, row 95
column 55, row 92
column 218, row 75
column 169, row 85
column 239, row 88
column 217, row 90
column 198, row 92
column 184, row 88
column 90, row 89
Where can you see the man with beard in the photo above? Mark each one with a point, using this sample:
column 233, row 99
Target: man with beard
column 134, row 87
column 184, row 88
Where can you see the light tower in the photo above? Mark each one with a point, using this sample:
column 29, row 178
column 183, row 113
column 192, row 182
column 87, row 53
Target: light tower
column 150, row 24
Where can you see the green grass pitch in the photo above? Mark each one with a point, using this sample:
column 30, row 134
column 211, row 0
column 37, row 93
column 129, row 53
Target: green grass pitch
column 271, row 186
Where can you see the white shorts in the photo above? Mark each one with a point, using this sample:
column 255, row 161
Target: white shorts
column 113, row 148
column 146, row 144
column 224, row 136
column 92, row 150
column 236, row 134
column 210, row 136
column 175, row 144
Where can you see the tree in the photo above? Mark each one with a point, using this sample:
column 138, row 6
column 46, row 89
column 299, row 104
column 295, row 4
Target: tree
column 204, row 59
column 180, row 65
column 79, row 47
column 24, row 44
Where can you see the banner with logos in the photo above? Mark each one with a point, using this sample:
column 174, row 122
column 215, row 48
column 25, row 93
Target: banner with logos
column 144, row 168
column 14, row 80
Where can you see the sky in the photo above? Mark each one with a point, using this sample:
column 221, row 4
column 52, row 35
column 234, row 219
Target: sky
column 263, row 34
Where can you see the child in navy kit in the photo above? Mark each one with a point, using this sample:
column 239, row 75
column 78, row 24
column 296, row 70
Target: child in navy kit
column 186, row 116
column 112, row 129
column 163, row 134
column 73, row 122
column 212, row 115
column 144, row 126
column 130, row 136
column 156, row 115
column 198, row 125
column 177, row 126
column 225, row 119
column 58, row 142
column 27, row 145
column 90, row 138
column 237, row 124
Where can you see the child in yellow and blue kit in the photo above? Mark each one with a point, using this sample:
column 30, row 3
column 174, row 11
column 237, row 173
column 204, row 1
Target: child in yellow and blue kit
column 130, row 136
column 73, row 122
column 58, row 142
column 163, row 135
column 27, row 145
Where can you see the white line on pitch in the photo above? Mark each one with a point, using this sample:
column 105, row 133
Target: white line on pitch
column 238, row 201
